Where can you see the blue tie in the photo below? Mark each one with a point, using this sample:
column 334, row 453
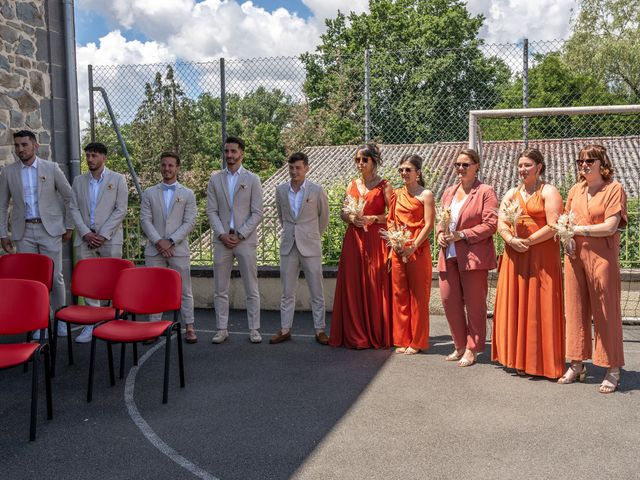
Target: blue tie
column 169, row 187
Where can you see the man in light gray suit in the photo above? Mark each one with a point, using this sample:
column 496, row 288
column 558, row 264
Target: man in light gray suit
column 168, row 214
column 234, row 208
column 100, row 199
column 303, row 211
column 40, row 219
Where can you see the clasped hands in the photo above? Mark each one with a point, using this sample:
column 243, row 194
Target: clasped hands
column 444, row 238
column 93, row 239
column 165, row 247
column 230, row 240
column 362, row 221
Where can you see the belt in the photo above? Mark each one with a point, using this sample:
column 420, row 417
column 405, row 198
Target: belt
column 232, row 231
column 33, row 220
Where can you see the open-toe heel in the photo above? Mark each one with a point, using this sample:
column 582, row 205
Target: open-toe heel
column 572, row 375
column 610, row 383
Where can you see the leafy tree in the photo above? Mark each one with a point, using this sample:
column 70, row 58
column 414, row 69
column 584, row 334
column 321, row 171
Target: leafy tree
column 426, row 68
column 605, row 44
column 554, row 83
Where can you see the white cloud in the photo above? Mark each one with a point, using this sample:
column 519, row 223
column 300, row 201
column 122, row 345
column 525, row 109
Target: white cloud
column 508, row 21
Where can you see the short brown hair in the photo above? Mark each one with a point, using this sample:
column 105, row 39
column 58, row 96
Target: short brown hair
column 170, row 155
column 296, row 157
column 598, row 152
column 471, row 153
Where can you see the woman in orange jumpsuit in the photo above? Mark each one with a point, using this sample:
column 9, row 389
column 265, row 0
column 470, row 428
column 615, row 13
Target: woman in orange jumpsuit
column 592, row 269
column 528, row 332
column 412, row 206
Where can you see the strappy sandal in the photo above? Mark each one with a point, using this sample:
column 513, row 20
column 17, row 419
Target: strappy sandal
column 573, row 374
column 454, row 356
column 466, row 361
column 411, row 351
column 401, row 349
column 610, row 383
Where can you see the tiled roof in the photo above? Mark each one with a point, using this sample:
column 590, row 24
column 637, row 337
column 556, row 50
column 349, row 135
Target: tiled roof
column 335, row 163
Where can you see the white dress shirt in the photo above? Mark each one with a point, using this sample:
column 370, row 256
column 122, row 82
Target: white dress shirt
column 232, row 182
column 167, row 192
column 94, row 188
column 30, row 189
column 295, row 198
column 455, row 206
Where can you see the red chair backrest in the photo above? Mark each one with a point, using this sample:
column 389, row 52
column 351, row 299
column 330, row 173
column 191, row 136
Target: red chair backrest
column 96, row 277
column 24, row 306
column 27, row 266
column 145, row 290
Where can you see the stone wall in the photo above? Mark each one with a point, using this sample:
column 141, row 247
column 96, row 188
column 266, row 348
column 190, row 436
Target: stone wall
column 25, row 82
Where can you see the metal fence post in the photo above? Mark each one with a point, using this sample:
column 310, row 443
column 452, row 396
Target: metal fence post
column 92, row 112
column 367, row 96
column 525, row 91
column 223, row 110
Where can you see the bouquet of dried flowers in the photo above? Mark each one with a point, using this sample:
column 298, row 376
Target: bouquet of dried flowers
column 510, row 212
column 443, row 218
column 354, row 207
column 397, row 237
column 565, row 227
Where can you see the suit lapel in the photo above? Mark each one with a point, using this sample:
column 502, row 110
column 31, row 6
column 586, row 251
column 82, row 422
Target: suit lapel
column 225, row 187
column 173, row 199
column 239, row 184
column 305, row 196
column 17, row 181
column 105, row 180
column 468, row 200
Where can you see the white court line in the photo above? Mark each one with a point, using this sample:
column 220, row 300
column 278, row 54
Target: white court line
column 147, row 431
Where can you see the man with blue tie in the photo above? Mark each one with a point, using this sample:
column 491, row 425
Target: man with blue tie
column 100, row 199
column 168, row 214
column 40, row 220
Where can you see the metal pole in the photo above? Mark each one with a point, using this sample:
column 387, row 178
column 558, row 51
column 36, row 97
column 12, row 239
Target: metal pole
column 223, row 110
column 72, row 89
column 525, row 91
column 92, row 112
column 123, row 145
column 473, row 130
column 367, row 96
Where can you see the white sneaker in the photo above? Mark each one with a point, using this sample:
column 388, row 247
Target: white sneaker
column 85, row 335
column 254, row 336
column 62, row 329
column 220, row 336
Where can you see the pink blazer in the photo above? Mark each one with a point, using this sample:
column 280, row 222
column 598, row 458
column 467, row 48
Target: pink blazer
column 478, row 220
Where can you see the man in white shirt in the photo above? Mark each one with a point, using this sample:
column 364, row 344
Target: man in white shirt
column 303, row 211
column 40, row 220
column 168, row 213
column 99, row 206
column 234, row 208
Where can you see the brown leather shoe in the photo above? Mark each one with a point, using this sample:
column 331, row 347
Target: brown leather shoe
column 322, row 338
column 190, row 336
column 280, row 337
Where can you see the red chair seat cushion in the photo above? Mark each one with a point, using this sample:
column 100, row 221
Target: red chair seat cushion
column 130, row 331
column 13, row 354
column 85, row 315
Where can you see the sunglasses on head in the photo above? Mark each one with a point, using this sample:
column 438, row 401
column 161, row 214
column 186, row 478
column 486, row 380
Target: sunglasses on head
column 462, row 164
column 406, row 170
column 588, row 161
column 362, row 160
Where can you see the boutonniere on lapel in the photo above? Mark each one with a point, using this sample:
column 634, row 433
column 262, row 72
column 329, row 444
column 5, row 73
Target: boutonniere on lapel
column 178, row 199
column 243, row 186
column 43, row 178
column 110, row 186
column 308, row 200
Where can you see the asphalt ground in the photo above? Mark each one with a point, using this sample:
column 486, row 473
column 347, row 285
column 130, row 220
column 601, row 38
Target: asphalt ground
column 302, row 410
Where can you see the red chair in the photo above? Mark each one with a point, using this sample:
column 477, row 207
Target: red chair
column 142, row 291
column 24, row 306
column 28, row 266
column 93, row 278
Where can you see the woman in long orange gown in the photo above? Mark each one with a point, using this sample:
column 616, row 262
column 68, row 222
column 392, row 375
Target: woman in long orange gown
column 362, row 303
column 412, row 206
column 592, row 270
column 528, row 324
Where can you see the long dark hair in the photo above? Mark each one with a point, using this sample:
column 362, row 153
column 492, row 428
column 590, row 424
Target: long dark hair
column 416, row 161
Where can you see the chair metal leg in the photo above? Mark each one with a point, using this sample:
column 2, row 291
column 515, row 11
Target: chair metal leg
column 34, row 397
column 47, row 379
column 167, row 353
column 69, row 344
column 122, row 359
column 53, row 342
column 112, row 377
column 135, row 354
column 91, row 364
column 26, row 364
column 180, row 357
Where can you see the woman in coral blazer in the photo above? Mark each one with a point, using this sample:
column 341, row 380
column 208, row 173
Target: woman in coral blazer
column 467, row 254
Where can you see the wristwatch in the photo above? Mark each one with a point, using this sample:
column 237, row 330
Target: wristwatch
column 462, row 235
column 172, row 242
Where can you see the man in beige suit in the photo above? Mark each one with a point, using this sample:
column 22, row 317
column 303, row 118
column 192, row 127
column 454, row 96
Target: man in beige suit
column 303, row 211
column 234, row 208
column 40, row 219
column 168, row 214
column 100, row 199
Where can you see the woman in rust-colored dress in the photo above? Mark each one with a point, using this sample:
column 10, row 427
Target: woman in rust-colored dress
column 412, row 206
column 362, row 304
column 528, row 324
column 592, row 270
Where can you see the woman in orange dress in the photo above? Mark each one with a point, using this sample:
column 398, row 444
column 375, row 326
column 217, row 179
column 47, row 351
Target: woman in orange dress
column 362, row 303
column 412, row 206
column 528, row 325
column 592, row 269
